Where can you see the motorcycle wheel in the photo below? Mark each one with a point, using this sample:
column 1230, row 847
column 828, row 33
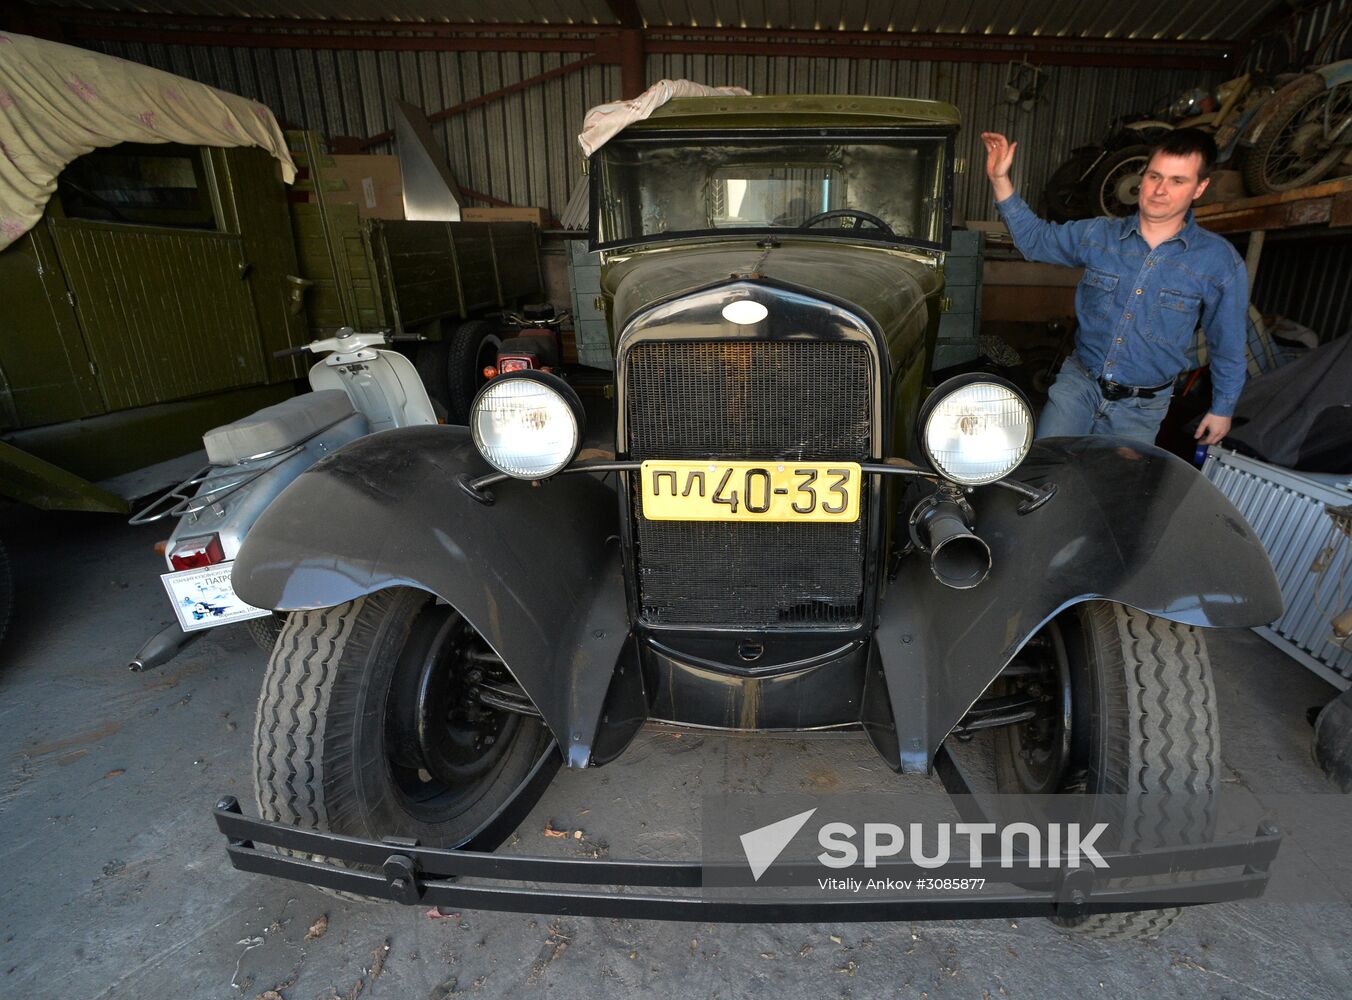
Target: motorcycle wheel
column 1115, row 188
column 266, row 629
column 1289, row 155
column 1126, row 711
column 1066, row 195
column 369, row 724
column 474, row 346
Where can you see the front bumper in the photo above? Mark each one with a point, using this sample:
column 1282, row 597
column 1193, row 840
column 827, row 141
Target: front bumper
column 401, row 871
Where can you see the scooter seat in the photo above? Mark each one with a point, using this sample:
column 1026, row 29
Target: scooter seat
column 275, row 427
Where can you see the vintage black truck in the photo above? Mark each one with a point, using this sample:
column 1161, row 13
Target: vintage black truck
column 802, row 533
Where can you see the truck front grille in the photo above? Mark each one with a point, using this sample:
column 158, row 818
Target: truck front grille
column 803, row 400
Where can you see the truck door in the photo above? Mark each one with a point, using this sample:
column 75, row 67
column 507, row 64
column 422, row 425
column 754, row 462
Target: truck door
column 161, row 277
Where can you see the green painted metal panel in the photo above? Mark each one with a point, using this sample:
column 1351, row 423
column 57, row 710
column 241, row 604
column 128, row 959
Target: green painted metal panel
column 115, row 443
column 165, row 313
column 30, row 480
column 516, row 249
column 44, row 370
column 421, row 270
column 351, row 297
column 473, row 246
column 252, row 183
column 798, row 111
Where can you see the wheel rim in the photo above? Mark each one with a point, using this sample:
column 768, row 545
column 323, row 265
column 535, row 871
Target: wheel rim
column 1299, row 154
column 1120, row 191
column 443, row 745
column 1041, row 748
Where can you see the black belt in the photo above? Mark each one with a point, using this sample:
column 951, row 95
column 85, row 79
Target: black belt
column 1114, row 391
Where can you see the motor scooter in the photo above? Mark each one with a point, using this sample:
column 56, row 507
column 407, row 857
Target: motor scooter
column 358, row 389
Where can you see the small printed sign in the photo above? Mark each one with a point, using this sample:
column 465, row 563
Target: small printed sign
column 203, row 598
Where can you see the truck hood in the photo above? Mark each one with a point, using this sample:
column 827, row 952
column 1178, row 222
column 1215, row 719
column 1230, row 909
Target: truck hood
column 880, row 285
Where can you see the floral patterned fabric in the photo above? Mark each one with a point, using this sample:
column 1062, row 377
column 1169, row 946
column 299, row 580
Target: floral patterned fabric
column 604, row 121
column 58, row 102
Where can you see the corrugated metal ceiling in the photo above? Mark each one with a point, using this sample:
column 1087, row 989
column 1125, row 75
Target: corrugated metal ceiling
column 1190, row 20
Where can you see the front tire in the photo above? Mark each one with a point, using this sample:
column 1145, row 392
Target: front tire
column 367, row 724
column 1139, row 728
column 1115, row 188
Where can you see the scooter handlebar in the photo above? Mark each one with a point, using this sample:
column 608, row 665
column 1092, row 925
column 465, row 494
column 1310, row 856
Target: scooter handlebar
column 289, row 351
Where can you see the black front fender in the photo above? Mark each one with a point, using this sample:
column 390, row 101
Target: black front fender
column 537, row 573
column 1128, row 523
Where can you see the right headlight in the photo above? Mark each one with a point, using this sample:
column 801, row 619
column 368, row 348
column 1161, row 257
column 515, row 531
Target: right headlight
column 975, row 429
column 527, row 424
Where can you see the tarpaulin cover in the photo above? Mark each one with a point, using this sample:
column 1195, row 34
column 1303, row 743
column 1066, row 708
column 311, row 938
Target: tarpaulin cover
column 604, row 121
column 58, row 102
column 1300, row 415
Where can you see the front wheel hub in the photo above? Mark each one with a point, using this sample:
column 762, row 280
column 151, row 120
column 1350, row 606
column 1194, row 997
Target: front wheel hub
column 1042, row 745
column 440, row 738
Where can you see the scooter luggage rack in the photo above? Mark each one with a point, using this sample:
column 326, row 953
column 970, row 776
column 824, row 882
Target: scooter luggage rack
column 185, row 499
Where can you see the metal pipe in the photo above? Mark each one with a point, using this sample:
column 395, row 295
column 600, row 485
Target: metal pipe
column 162, row 647
column 958, row 558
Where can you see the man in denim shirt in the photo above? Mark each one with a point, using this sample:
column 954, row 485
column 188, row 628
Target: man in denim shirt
column 1149, row 280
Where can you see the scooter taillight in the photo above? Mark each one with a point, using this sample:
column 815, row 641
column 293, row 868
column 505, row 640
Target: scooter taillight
column 515, row 363
column 194, row 553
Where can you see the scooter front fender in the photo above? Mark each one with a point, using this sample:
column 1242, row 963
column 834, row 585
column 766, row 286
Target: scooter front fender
column 537, row 573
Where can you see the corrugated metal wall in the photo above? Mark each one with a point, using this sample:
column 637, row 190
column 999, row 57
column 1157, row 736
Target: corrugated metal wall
column 522, row 148
column 1309, row 281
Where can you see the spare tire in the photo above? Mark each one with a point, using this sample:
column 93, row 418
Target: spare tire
column 474, row 346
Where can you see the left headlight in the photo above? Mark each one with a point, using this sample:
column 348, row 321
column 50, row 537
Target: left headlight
column 527, row 424
column 975, row 429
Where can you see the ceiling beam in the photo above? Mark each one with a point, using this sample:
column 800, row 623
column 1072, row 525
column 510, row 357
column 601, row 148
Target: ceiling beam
column 93, row 26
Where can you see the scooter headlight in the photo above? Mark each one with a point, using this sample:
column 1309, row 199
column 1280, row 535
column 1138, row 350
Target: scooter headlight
column 975, row 429
column 527, row 424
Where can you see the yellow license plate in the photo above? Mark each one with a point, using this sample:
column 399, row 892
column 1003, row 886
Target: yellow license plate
column 750, row 491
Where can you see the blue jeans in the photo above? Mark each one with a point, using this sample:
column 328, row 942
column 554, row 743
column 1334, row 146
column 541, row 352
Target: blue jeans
column 1076, row 408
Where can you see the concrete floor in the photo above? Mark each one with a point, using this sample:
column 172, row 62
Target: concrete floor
column 117, row 883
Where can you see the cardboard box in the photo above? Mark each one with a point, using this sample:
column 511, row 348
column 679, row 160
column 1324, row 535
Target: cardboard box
column 539, row 216
column 372, row 183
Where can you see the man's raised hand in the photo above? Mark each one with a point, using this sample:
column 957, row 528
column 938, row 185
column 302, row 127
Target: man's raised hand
column 999, row 158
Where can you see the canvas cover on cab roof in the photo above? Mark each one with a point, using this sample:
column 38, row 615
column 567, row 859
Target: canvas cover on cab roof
column 58, row 102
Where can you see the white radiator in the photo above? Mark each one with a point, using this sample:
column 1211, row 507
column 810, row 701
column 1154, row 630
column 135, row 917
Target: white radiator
column 1290, row 513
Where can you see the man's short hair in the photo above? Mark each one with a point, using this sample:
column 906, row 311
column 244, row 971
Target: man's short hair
column 1185, row 142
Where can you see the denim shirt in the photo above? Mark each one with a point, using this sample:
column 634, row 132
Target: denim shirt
column 1139, row 308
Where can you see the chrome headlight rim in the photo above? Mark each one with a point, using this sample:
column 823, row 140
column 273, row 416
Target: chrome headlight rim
column 946, row 389
column 549, row 381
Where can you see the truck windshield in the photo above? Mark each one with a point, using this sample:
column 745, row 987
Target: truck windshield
column 665, row 186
